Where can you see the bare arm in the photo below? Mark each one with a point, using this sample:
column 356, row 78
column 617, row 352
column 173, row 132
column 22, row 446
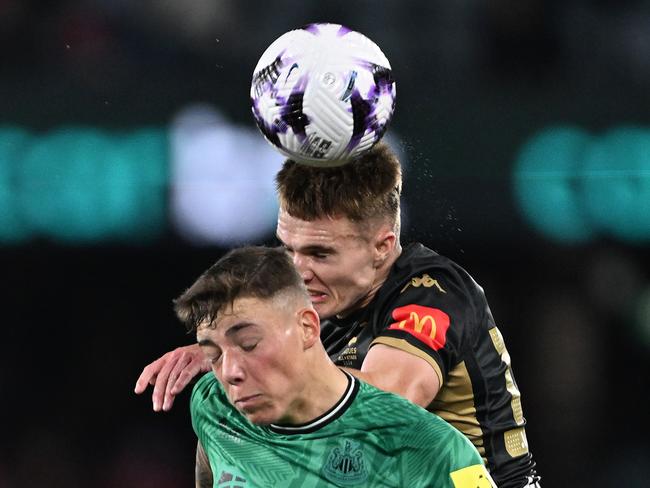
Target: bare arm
column 171, row 373
column 397, row 371
column 203, row 471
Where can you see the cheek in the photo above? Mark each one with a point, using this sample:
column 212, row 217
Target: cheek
column 276, row 363
column 345, row 272
column 283, row 361
column 352, row 281
column 278, row 380
column 361, row 272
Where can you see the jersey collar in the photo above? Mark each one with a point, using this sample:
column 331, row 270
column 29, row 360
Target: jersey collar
column 330, row 416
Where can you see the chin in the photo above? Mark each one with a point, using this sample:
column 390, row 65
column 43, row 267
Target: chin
column 324, row 312
column 259, row 420
column 261, row 416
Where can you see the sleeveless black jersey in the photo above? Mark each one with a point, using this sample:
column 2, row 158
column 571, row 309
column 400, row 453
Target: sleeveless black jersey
column 431, row 307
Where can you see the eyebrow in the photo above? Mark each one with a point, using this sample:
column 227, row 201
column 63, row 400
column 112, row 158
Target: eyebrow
column 239, row 326
column 234, row 329
column 312, row 248
column 318, row 250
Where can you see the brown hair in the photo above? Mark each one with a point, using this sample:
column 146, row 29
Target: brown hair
column 253, row 271
column 362, row 189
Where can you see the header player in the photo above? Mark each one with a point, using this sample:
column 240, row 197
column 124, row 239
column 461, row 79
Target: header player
column 408, row 321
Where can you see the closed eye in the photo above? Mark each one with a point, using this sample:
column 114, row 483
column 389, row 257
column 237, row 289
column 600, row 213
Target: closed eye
column 249, row 347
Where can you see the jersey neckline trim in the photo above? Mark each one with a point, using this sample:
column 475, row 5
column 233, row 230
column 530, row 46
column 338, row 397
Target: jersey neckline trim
column 330, row 416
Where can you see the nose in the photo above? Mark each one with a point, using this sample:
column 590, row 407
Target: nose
column 302, row 265
column 232, row 368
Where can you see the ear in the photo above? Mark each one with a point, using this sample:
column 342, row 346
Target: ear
column 384, row 245
column 310, row 326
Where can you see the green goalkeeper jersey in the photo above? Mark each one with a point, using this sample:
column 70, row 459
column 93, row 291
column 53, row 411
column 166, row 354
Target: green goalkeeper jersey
column 370, row 438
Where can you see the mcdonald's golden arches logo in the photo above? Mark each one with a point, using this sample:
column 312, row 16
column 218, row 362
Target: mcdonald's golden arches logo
column 428, row 325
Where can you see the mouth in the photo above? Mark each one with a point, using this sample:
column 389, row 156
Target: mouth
column 247, row 401
column 317, row 296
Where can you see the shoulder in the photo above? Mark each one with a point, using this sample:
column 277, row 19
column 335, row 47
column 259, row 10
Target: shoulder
column 419, row 261
column 435, row 441
column 419, row 429
column 207, row 386
column 385, row 408
column 385, row 414
column 421, row 276
column 206, row 382
column 207, row 404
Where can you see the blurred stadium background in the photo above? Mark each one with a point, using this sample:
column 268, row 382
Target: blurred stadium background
column 129, row 162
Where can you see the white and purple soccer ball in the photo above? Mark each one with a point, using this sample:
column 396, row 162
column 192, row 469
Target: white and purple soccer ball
column 323, row 94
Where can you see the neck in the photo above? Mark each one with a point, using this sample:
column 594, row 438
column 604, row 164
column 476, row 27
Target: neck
column 324, row 386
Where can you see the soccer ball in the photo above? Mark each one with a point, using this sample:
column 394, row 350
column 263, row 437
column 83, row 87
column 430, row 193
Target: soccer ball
column 323, row 94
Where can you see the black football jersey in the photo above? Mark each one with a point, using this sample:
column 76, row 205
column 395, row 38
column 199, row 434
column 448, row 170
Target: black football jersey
column 431, row 307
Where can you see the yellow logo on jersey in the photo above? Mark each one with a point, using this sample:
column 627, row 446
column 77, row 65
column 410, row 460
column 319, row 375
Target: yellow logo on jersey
column 426, row 281
column 472, row 477
column 419, row 324
column 428, row 325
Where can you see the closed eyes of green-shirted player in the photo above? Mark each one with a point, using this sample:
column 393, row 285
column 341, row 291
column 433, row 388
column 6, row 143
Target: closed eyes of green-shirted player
column 276, row 411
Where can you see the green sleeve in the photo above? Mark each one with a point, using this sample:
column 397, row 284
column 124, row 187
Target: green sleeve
column 200, row 394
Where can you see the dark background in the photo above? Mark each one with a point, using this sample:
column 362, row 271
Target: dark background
column 475, row 81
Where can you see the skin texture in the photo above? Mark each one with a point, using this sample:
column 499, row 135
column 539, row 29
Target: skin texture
column 269, row 359
column 325, row 251
column 268, row 356
column 343, row 265
column 170, row 374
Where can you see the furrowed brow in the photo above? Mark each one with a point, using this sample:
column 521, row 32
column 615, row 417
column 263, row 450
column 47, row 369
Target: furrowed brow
column 317, row 249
